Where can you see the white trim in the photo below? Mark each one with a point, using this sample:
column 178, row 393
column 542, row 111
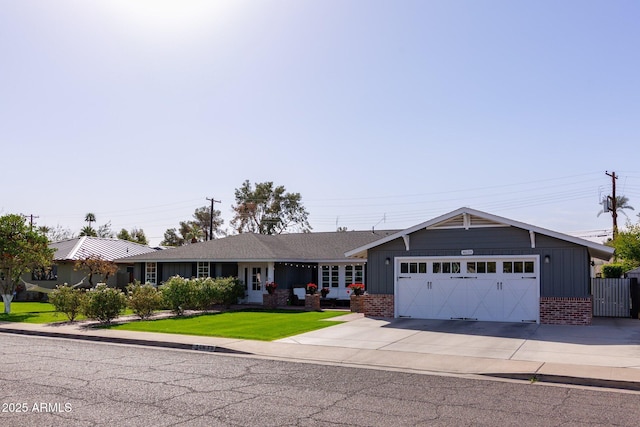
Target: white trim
column 597, row 250
column 398, row 260
column 76, row 248
column 532, row 236
column 406, row 239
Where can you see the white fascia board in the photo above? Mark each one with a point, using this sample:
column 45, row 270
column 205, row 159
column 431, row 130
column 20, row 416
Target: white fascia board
column 597, row 250
column 76, row 248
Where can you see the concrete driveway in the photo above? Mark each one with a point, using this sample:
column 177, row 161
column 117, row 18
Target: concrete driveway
column 608, row 342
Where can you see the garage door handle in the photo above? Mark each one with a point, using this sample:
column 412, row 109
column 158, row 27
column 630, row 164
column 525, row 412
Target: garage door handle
column 463, row 277
column 528, row 277
column 403, row 277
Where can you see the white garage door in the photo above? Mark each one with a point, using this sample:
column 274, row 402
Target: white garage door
column 500, row 289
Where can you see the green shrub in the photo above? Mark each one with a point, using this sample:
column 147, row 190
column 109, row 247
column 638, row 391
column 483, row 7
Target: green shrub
column 143, row 299
column 230, row 290
column 179, row 294
column 104, row 303
column 67, row 300
column 613, row 271
column 207, row 292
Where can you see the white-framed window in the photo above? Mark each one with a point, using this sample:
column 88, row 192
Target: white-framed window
column 151, row 273
column 330, row 276
column 353, row 274
column 203, row 269
column 256, row 278
column 517, row 267
column 446, row 267
column 413, row 267
column 481, row 267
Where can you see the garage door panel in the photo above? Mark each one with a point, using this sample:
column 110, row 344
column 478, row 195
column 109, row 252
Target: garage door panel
column 485, row 302
column 412, row 301
column 523, row 297
column 502, row 294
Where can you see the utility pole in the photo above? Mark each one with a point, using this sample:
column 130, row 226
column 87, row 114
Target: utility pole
column 614, row 202
column 31, row 218
column 213, row 200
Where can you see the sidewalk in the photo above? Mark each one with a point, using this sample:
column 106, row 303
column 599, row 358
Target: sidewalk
column 606, row 354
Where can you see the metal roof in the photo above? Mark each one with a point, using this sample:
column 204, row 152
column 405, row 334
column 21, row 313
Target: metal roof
column 107, row 249
column 301, row 247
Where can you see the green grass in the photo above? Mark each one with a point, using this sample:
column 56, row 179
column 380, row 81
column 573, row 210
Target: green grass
column 37, row 312
column 263, row 325
column 33, row 312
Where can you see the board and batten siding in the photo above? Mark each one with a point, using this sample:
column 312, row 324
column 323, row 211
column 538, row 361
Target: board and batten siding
column 566, row 275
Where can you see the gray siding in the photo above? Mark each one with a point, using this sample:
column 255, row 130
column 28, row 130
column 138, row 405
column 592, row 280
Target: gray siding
column 288, row 276
column 170, row 269
column 567, row 274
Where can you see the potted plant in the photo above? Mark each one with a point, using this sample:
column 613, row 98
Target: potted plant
column 271, row 287
column 356, row 288
column 324, row 292
column 311, row 288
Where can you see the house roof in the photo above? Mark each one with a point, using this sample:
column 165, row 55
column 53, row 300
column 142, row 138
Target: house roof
column 108, row 249
column 295, row 247
column 471, row 218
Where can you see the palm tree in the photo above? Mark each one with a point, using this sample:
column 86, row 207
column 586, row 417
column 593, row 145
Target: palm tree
column 88, row 231
column 90, row 217
column 621, row 203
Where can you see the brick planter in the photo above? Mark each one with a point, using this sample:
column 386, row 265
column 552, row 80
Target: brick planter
column 270, row 300
column 357, row 303
column 566, row 311
column 312, row 302
column 277, row 299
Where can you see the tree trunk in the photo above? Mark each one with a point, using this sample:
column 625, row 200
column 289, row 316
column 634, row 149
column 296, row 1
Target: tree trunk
column 7, row 298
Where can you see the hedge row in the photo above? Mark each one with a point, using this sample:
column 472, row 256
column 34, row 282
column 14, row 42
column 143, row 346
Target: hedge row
column 177, row 294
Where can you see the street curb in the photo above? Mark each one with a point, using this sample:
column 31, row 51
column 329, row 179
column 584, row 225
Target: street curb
column 568, row 380
column 531, row 377
column 133, row 341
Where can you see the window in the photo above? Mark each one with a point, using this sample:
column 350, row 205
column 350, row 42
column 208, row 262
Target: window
column 256, row 278
column 481, row 267
column 413, row 267
column 47, row 273
column 446, row 267
column 330, row 276
column 203, row 269
column 518, row 267
column 354, row 274
column 151, row 276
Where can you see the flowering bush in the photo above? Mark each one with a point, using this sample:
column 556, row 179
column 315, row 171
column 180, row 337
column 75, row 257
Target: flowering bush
column 271, row 287
column 324, row 292
column 312, row 288
column 357, row 288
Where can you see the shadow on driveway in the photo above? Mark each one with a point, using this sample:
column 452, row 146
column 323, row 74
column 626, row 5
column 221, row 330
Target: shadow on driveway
column 603, row 331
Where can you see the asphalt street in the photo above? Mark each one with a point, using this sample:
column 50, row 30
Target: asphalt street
column 62, row 382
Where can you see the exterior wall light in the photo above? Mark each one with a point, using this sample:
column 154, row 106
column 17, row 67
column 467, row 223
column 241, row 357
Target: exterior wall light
column 387, row 261
column 547, row 259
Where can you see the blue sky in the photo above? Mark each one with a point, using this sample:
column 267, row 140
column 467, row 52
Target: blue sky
column 379, row 113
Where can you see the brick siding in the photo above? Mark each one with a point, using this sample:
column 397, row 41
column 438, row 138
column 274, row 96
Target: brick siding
column 566, row 311
column 312, row 302
column 377, row 305
column 277, row 299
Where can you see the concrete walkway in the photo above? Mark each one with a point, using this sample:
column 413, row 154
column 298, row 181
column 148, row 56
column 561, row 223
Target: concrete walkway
column 604, row 354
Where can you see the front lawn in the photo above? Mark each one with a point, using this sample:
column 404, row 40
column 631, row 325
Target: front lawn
column 38, row 312
column 33, row 312
column 263, row 325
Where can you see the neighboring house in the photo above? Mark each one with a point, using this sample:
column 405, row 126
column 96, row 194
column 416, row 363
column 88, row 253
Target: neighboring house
column 473, row 265
column 290, row 260
column 69, row 251
column 633, row 273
